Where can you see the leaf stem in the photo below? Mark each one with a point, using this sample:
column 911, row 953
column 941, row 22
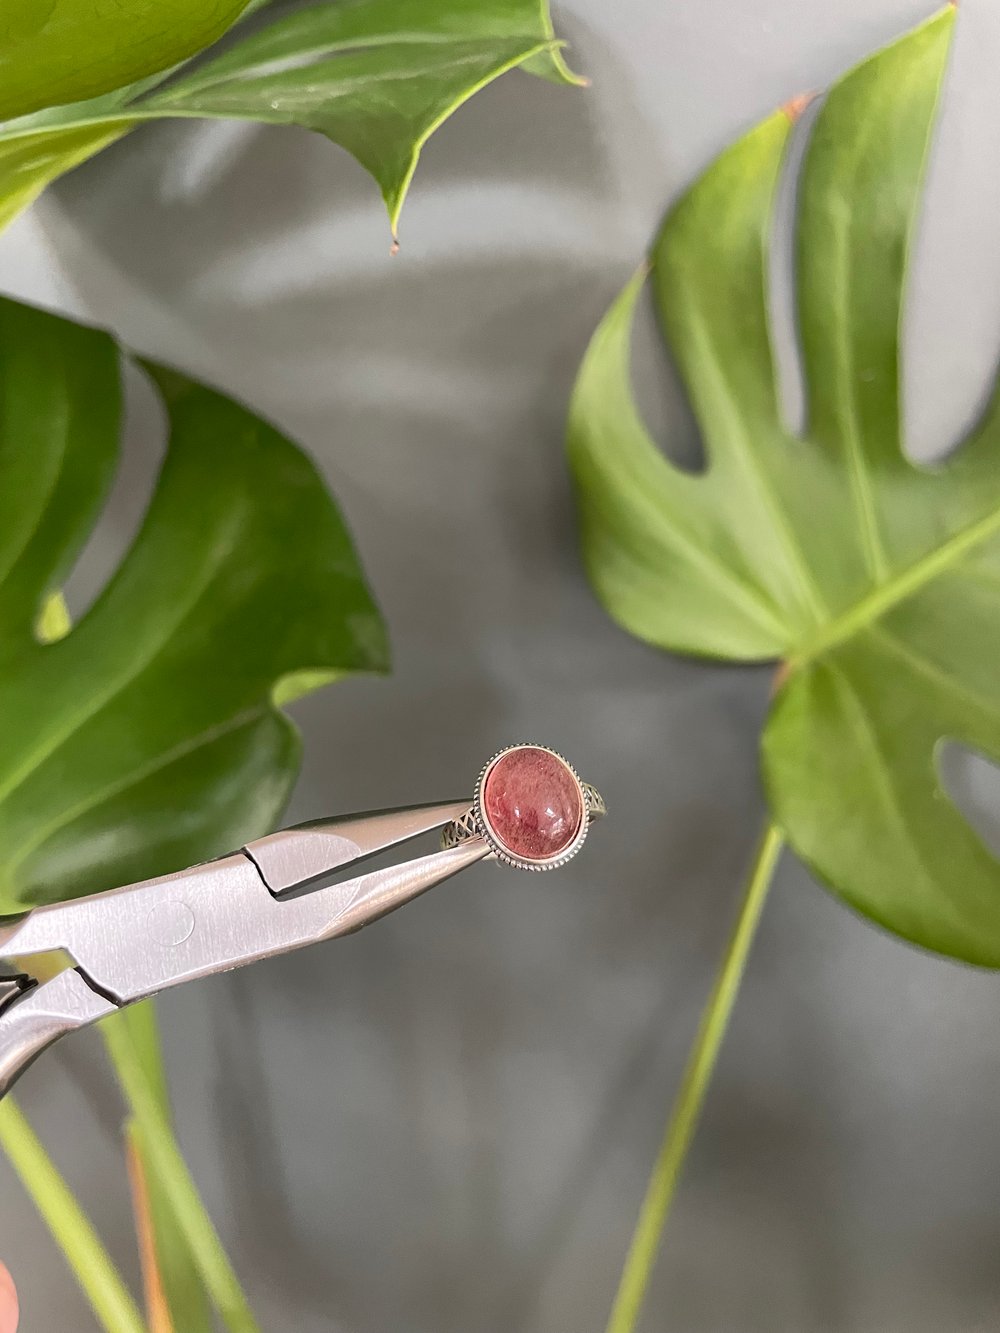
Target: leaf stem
column 687, row 1108
column 100, row 1281
column 165, row 1161
column 176, row 1301
column 157, row 1309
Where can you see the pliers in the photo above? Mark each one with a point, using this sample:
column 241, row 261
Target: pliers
column 268, row 898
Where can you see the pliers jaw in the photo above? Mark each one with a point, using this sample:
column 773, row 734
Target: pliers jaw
column 294, row 858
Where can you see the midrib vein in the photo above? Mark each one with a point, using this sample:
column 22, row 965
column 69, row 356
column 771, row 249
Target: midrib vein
column 865, row 730
column 931, row 671
column 738, row 437
column 307, row 56
column 843, row 360
column 156, row 105
column 743, row 595
column 897, row 589
column 121, row 784
column 133, row 670
column 864, row 505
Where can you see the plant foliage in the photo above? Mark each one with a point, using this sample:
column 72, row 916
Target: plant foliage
column 375, row 76
column 148, row 737
column 874, row 579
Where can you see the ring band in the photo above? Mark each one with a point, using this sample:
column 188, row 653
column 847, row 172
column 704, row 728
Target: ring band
column 531, row 807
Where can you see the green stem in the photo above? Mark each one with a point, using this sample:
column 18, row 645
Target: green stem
column 108, row 1296
column 687, row 1108
column 182, row 1287
column 174, row 1179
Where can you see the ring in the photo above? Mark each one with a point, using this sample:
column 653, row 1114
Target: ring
column 531, row 808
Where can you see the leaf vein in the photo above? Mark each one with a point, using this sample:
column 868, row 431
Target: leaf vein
column 903, row 585
column 100, row 700
column 131, row 779
column 742, row 446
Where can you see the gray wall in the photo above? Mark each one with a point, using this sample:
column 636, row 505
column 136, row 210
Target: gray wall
column 444, row 1124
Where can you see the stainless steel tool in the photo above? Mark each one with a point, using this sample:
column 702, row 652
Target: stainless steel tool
column 133, row 942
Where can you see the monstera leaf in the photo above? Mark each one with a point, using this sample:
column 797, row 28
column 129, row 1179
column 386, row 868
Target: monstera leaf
column 375, row 76
column 148, row 736
column 875, row 580
column 62, row 50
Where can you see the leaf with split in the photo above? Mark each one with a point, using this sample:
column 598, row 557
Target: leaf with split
column 378, row 77
column 148, row 737
column 875, row 579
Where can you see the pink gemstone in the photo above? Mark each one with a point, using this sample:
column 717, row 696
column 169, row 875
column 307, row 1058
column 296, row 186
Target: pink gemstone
column 533, row 803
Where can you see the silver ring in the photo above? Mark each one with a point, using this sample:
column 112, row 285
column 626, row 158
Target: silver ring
column 531, row 807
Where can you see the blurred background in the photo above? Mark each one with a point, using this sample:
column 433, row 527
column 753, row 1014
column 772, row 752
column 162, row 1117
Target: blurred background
column 445, row 1124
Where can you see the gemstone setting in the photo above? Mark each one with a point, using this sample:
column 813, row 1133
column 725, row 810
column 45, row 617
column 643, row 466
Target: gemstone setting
column 531, row 807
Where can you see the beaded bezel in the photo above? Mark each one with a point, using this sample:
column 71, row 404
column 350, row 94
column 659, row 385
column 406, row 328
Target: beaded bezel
column 499, row 848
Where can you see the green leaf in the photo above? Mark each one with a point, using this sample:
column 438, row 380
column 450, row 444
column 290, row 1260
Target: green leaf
column 65, row 50
column 147, row 737
column 875, row 579
column 376, row 76
column 29, row 162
